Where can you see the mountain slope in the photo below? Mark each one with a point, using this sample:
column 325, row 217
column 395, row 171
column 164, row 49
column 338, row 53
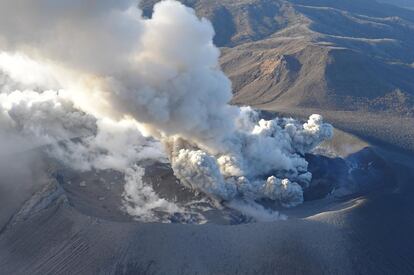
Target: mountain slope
column 409, row 4
column 333, row 55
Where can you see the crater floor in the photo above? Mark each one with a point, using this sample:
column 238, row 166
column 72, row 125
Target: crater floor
column 76, row 227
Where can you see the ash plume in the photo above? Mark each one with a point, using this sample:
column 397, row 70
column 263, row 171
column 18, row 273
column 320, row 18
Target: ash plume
column 103, row 72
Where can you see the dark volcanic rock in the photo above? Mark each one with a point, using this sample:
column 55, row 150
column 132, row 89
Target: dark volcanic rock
column 327, row 174
column 357, row 174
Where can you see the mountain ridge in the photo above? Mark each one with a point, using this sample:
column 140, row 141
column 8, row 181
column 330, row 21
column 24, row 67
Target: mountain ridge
column 315, row 54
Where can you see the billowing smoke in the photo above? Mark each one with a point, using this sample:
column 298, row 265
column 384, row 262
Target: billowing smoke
column 80, row 141
column 30, row 119
column 101, row 72
column 265, row 160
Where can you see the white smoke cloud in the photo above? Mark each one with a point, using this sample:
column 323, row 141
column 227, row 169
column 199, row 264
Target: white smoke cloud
column 141, row 198
column 30, row 120
column 265, row 161
column 198, row 170
column 116, row 145
column 27, row 73
column 118, row 74
column 256, row 211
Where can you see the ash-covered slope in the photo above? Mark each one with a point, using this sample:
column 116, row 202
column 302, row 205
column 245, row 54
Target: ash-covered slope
column 64, row 228
column 333, row 55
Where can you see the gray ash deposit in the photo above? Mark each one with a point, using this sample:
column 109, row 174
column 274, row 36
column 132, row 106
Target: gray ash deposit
column 335, row 177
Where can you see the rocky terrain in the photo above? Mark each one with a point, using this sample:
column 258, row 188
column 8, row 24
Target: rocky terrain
column 344, row 59
column 351, row 61
column 320, row 54
column 347, row 55
column 72, row 224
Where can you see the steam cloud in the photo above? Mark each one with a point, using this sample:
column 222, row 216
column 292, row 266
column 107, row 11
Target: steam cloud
column 104, row 73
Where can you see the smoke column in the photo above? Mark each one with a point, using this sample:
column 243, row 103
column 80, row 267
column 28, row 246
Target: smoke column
column 86, row 69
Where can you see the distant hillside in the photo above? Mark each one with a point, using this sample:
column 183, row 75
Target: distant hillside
column 409, row 4
column 332, row 55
